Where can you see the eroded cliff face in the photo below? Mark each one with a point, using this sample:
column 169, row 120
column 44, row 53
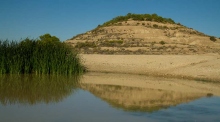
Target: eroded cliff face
column 144, row 37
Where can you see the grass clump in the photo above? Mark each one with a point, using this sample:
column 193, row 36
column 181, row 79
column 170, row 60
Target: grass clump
column 155, row 26
column 44, row 56
column 112, row 43
column 85, row 44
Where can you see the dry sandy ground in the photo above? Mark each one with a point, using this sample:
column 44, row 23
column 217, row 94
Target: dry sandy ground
column 125, row 70
column 198, row 67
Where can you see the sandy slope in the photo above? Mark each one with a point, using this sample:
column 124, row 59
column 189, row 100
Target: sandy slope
column 199, row 67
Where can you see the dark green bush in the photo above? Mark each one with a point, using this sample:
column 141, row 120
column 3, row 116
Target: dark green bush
column 162, row 42
column 212, row 38
column 155, row 26
column 165, row 27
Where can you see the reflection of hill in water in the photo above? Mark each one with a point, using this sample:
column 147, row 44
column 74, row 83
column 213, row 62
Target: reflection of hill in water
column 139, row 99
column 33, row 89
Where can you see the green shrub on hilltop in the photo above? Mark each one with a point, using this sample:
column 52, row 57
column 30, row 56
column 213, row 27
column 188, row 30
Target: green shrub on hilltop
column 212, row 38
column 139, row 17
column 44, row 56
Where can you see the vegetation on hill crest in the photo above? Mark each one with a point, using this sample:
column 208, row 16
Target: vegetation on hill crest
column 139, row 17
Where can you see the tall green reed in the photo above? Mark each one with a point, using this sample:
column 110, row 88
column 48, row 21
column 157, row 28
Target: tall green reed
column 38, row 57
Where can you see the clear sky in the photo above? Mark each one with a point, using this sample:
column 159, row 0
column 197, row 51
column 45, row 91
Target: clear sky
column 67, row 18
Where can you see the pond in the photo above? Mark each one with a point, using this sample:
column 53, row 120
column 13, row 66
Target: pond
column 45, row 98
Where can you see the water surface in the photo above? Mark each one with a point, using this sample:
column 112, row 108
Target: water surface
column 59, row 98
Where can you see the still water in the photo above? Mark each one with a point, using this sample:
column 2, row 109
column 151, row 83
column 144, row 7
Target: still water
column 31, row 98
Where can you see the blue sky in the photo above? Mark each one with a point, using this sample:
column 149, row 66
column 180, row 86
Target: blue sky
column 67, row 18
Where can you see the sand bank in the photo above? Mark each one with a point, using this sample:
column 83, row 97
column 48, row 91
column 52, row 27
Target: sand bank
column 198, row 67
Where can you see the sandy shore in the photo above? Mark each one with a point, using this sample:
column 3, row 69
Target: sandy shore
column 198, row 67
column 180, row 72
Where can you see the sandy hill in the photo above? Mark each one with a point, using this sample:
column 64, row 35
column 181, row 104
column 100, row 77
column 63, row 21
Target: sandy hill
column 144, row 34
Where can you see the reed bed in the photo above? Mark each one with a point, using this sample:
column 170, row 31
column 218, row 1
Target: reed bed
column 38, row 57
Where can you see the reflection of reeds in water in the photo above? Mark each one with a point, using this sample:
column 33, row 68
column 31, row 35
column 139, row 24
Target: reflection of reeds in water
column 139, row 99
column 33, row 89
